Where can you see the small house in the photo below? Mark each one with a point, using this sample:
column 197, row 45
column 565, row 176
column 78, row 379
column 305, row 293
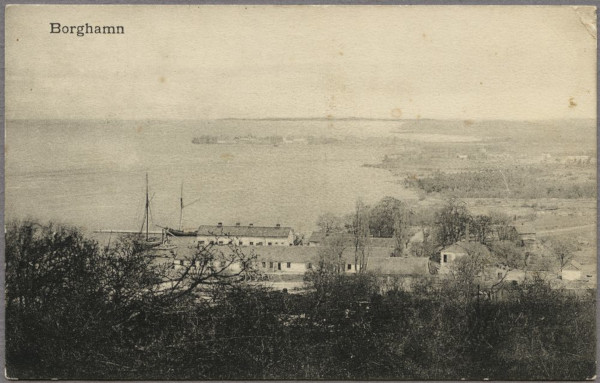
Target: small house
column 571, row 271
column 526, row 233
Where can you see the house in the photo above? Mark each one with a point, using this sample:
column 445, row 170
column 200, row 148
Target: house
column 571, row 271
column 400, row 272
column 450, row 254
column 526, row 233
column 245, row 235
column 294, row 260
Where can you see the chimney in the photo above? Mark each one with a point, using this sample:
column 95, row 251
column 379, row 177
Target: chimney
column 251, row 225
column 237, row 224
column 278, row 225
column 220, row 224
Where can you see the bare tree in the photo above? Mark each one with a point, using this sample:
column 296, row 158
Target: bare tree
column 330, row 223
column 361, row 236
column 563, row 250
column 208, row 266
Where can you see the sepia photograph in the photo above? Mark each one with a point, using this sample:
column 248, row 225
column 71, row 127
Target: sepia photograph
column 300, row 192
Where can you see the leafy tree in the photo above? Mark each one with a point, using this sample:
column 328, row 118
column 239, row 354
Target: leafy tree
column 481, row 228
column 383, row 215
column 451, row 221
column 509, row 253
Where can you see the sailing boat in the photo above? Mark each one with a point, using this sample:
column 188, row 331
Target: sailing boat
column 180, row 232
column 148, row 242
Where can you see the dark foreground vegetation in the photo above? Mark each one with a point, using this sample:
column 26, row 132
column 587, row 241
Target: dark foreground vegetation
column 77, row 311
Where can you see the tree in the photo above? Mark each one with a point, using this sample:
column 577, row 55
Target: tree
column 452, row 220
column 501, row 224
column 509, row 254
column 330, row 223
column 481, row 228
column 298, row 239
column 208, row 267
column 361, row 236
column 72, row 307
column 383, row 216
column 563, row 250
column 466, row 271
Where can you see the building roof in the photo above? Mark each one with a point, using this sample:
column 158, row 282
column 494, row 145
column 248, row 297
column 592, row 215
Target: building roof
column 305, row 254
column 318, row 237
column 400, row 265
column 454, row 248
column 244, row 231
column 573, row 265
column 464, row 247
column 524, row 228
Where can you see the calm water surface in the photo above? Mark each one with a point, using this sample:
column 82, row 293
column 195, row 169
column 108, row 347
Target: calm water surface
column 92, row 173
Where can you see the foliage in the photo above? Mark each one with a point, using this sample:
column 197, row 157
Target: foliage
column 509, row 253
column 383, row 216
column 75, row 311
column 330, row 223
column 520, row 182
column 451, row 221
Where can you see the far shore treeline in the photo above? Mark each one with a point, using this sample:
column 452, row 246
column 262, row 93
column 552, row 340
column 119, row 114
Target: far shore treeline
column 78, row 310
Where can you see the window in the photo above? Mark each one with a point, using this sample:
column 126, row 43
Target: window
column 270, row 265
column 259, row 244
column 264, row 264
column 201, row 242
column 309, row 265
column 349, row 266
column 212, row 242
column 181, row 262
column 251, row 243
column 270, row 243
column 222, row 263
column 445, row 258
column 241, row 243
column 499, row 275
column 289, row 264
column 220, row 242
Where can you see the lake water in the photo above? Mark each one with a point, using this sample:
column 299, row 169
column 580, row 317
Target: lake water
column 92, row 173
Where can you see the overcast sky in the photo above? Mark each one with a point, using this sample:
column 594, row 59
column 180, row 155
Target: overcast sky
column 200, row 62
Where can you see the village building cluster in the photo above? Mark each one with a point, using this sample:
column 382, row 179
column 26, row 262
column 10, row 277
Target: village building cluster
column 277, row 254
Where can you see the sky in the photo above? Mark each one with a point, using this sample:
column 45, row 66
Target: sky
column 208, row 62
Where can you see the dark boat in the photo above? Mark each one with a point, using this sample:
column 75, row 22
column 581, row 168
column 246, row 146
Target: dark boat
column 180, row 233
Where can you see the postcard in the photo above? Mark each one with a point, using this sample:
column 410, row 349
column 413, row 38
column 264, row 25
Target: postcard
column 300, row 192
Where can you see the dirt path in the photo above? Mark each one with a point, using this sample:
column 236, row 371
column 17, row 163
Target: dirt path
column 564, row 230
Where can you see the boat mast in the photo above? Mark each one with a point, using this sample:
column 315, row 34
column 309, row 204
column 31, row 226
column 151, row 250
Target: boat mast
column 147, row 207
column 181, row 207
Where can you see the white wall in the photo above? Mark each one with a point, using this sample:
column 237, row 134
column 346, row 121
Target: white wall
column 275, row 241
column 571, row 275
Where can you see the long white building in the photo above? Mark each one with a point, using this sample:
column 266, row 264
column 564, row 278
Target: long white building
column 245, row 235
